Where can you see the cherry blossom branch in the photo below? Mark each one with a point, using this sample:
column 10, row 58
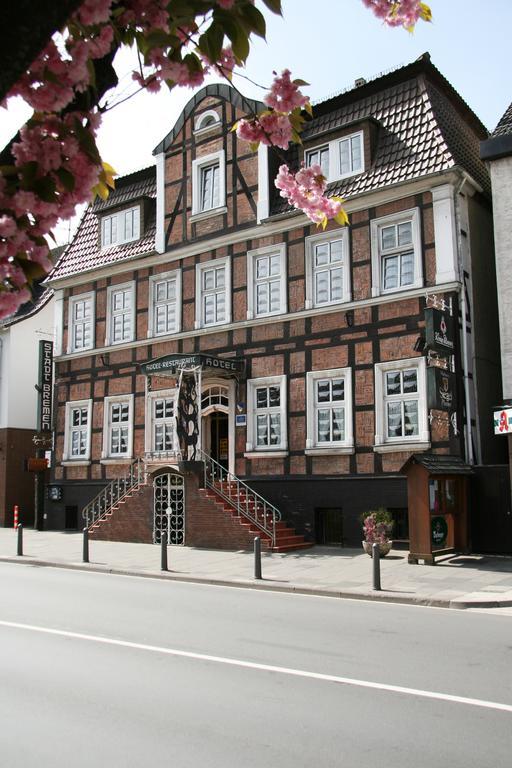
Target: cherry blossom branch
column 55, row 162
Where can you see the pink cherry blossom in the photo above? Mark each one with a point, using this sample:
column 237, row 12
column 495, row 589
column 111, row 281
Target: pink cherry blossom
column 94, row 11
column 284, row 95
column 305, row 191
column 396, row 13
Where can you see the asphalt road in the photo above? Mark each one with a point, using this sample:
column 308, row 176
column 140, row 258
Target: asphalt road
column 126, row 672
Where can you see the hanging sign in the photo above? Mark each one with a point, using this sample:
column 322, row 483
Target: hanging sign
column 441, row 389
column 36, row 465
column 45, row 386
column 171, row 364
column 439, row 330
column 503, row 421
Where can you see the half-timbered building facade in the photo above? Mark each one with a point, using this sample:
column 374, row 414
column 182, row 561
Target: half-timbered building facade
column 202, row 324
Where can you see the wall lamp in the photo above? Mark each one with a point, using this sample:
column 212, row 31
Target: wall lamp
column 349, row 317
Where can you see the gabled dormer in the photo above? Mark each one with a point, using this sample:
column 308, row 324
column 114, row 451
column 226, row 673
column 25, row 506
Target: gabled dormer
column 207, row 179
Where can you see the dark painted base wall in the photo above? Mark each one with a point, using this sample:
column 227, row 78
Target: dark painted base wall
column 299, row 498
column 74, row 494
column 296, row 498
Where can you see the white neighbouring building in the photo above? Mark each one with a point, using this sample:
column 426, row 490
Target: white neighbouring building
column 20, row 335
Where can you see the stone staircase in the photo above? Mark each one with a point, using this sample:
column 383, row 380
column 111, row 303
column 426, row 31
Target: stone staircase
column 285, row 539
column 221, row 512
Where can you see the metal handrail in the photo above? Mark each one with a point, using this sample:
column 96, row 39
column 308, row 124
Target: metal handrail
column 114, row 492
column 244, row 499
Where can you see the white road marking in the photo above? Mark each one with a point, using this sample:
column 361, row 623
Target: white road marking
column 264, row 667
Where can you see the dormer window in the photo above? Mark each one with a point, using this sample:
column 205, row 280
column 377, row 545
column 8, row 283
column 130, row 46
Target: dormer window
column 120, row 227
column 206, row 121
column 319, row 156
column 339, row 158
column 351, row 154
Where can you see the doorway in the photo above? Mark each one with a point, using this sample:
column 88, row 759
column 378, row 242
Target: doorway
column 169, row 509
column 219, row 437
column 329, row 526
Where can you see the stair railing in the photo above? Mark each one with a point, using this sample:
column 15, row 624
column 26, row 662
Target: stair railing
column 244, row 499
column 114, row 492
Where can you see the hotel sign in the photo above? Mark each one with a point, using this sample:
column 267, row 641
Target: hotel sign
column 439, row 330
column 45, row 386
column 503, row 420
column 171, row 364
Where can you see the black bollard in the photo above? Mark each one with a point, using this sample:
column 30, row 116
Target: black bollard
column 257, row 557
column 376, row 566
column 20, row 539
column 163, row 543
column 85, row 550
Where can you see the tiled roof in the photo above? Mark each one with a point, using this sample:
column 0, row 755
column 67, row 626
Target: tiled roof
column 41, row 295
column 424, row 127
column 85, row 254
column 439, row 464
column 505, row 124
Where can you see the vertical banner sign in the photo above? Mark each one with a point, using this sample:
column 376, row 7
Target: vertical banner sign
column 45, row 385
column 439, row 331
column 440, row 389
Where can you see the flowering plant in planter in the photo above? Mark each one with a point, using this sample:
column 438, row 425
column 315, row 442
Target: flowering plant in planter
column 377, row 527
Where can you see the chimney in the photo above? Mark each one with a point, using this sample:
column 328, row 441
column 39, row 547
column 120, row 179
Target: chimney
column 359, row 81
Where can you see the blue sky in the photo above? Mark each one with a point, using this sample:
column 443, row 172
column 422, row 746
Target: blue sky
column 330, row 43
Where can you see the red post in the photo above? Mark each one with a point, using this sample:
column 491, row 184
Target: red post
column 16, row 516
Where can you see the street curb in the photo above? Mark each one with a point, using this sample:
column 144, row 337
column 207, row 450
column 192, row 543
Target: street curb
column 298, row 589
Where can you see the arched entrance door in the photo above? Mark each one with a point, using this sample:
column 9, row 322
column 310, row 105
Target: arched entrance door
column 169, row 508
column 216, row 427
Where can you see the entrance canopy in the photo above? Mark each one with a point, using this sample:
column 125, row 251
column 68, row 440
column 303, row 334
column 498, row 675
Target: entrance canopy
column 170, row 365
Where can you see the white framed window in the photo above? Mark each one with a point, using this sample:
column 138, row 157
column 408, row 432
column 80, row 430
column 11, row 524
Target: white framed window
column 81, row 322
column 339, row 158
column 164, row 314
column 401, row 405
column 120, row 227
column 208, row 184
column 327, row 269
column 77, row 431
column 329, row 411
column 120, row 313
column 396, row 252
column 161, row 421
column 213, row 293
column 266, row 281
column 350, row 155
column 206, row 121
column 318, row 156
column 118, row 427
column 267, row 415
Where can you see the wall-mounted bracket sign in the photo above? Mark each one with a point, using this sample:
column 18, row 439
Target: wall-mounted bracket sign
column 36, row 464
column 503, row 420
column 169, row 365
column 440, row 389
column 439, row 330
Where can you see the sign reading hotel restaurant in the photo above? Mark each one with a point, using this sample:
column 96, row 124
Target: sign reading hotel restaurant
column 45, row 385
column 172, row 363
column 439, row 330
column 441, row 389
column 503, row 420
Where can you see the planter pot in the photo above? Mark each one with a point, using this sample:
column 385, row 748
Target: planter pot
column 383, row 548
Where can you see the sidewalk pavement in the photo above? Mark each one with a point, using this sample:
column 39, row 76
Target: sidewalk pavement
column 469, row 581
